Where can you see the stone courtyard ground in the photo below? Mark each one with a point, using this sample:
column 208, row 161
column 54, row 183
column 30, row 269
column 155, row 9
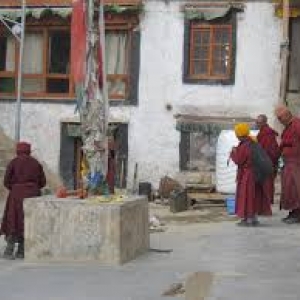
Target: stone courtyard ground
column 246, row 264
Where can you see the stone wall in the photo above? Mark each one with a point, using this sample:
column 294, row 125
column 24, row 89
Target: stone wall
column 72, row 229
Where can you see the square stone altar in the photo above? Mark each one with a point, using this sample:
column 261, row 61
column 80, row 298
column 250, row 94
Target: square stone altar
column 72, row 229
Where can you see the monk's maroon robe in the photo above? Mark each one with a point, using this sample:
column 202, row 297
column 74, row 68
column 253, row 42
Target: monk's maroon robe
column 267, row 138
column 290, row 176
column 24, row 178
column 247, row 204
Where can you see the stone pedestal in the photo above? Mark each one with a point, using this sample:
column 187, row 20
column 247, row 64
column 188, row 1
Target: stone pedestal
column 72, row 229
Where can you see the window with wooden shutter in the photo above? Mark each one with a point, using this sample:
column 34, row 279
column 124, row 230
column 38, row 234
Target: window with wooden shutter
column 46, row 71
column 210, row 51
column 46, row 63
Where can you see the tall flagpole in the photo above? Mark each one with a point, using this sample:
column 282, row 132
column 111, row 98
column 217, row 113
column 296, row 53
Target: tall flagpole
column 20, row 71
column 94, row 106
column 102, row 43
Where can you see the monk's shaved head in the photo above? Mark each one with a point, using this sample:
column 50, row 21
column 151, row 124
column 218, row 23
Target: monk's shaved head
column 283, row 114
column 261, row 120
column 280, row 110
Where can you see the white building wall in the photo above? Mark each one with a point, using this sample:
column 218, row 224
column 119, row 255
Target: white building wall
column 153, row 140
column 40, row 125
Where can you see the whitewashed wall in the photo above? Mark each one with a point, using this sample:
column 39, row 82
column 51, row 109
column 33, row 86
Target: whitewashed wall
column 40, row 125
column 153, row 140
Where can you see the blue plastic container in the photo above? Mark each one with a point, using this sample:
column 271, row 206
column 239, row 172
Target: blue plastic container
column 230, row 205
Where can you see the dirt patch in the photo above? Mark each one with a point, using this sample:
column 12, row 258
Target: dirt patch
column 205, row 215
column 196, row 287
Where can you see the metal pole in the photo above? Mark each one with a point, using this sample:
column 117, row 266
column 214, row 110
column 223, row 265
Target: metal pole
column 104, row 85
column 20, row 71
column 102, row 42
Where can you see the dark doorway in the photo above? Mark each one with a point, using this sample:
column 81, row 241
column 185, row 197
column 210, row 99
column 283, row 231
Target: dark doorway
column 71, row 154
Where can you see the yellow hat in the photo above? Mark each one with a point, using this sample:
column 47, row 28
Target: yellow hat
column 242, row 129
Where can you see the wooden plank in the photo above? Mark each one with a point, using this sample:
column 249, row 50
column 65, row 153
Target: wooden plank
column 208, row 205
column 206, row 196
column 212, row 119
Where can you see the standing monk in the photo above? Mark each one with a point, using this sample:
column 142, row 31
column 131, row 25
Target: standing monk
column 24, row 178
column 267, row 139
column 290, row 177
column 248, row 206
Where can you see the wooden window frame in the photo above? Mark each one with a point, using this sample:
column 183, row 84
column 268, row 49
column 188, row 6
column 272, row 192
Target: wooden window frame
column 124, row 77
column 45, row 75
column 112, row 22
column 211, row 46
column 191, row 27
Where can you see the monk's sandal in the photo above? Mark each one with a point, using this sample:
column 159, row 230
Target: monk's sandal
column 9, row 251
column 20, row 251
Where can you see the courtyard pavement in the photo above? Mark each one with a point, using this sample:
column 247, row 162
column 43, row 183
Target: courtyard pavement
column 247, row 264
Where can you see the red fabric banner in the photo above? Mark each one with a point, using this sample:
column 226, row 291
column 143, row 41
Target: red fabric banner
column 78, row 41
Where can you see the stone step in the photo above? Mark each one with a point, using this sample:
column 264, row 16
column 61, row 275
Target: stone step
column 207, row 197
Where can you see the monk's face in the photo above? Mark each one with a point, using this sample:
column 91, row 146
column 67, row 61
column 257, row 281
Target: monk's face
column 241, row 138
column 285, row 118
column 260, row 122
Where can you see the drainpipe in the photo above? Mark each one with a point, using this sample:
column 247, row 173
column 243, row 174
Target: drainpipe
column 20, row 71
column 284, row 52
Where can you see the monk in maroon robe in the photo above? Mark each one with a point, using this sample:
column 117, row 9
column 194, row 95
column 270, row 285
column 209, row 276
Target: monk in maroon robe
column 267, row 138
column 248, row 205
column 24, row 178
column 290, row 176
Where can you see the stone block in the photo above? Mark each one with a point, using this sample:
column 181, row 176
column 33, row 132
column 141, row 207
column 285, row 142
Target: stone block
column 81, row 230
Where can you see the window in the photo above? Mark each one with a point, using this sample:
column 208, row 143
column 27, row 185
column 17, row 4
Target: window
column 117, row 60
column 122, row 42
column 46, row 63
column 7, row 64
column 209, row 51
column 198, row 151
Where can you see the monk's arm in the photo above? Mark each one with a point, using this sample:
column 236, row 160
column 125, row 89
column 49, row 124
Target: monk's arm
column 297, row 131
column 42, row 178
column 8, row 177
column 273, row 149
column 291, row 140
column 239, row 155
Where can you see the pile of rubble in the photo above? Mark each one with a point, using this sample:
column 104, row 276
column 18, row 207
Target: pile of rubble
column 187, row 194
